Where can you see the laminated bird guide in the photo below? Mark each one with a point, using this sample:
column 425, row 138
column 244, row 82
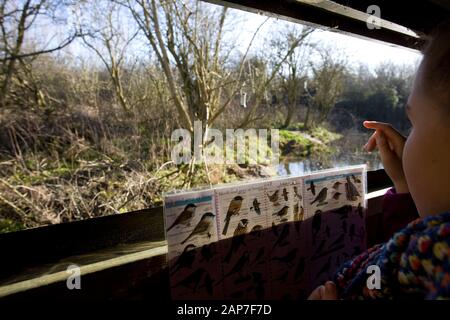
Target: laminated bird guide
column 276, row 238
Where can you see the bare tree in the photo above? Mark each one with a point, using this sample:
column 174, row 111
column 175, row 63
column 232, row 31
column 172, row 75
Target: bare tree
column 109, row 36
column 16, row 19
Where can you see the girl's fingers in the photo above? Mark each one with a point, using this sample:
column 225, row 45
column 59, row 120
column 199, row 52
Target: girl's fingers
column 329, row 292
column 371, row 143
column 395, row 139
column 317, row 293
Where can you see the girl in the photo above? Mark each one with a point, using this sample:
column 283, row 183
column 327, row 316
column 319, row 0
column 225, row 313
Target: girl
column 415, row 261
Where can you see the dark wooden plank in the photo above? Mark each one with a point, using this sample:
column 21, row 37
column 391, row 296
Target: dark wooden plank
column 342, row 20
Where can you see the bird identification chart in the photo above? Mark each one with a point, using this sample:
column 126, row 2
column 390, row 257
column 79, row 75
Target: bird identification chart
column 270, row 239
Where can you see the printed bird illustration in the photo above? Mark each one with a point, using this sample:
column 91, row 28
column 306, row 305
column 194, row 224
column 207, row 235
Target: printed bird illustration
column 185, row 216
column 208, row 284
column 338, row 241
column 282, row 212
column 360, row 210
column 256, row 231
column 207, row 252
column 233, row 209
column 185, row 259
column 299, row 212
column 288, row 259
column 258, row 285
column 203, row 227
column 320, row 247
column 343, row 211
column 238, row 266
column 256, row 206
column 300, row 269
column 356, row 179
column 285, row 194
column 236, row 244
column 351, row 191
column 284, row 220
column 321, row 197
column 336, row 195
column 336, row 185
column 312, row 188
column 325, row 268
column 275, row 229
column 296, row 193
column 283, row 235
column 241, row 228
column 259, row 256
column 316, row 224
column 193, row 280
column 274, row 197
column 352, row 231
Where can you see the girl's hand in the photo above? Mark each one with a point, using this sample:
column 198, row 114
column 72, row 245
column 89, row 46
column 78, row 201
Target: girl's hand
column 390, row 144
column 325, row 292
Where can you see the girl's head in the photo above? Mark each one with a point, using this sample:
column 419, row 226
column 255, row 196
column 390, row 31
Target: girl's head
column 426, row 156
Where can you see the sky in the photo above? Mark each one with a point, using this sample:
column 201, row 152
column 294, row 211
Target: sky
column 358, row 50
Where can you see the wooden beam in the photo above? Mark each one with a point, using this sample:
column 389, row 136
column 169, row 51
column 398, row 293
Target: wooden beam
column 332, row 16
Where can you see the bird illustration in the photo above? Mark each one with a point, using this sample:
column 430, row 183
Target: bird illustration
column 193, row 280
column 282, row 212
column 350, row 190
column 356, row 179
column 312, row 188
column 236, row 243
column 259, row 256
column 185, row 216
column 321, row 197
column 285, row 194
column 336, row 195
column 298, row 212
column 185, row 259
column 274, row 198
column 360, row 210
column 296, row 193
column 203, row 227
column 275, row 229
column 207, row 252
column 284, row 220
column 208, row 284
column 338, row 241
column 233, row 209
column 343, row 211
column 300, row 269
column 327, row 231
column 288, row 259
column 320, row 247
column 238, row 266
column 352, row 231
column 256, row 206
column 256, row 230
column 336, row 185
column 241, row 228
column 283, row 235
column 316, row 224
column 325, row 268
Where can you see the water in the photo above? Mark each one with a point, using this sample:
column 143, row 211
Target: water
column 304, row 166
